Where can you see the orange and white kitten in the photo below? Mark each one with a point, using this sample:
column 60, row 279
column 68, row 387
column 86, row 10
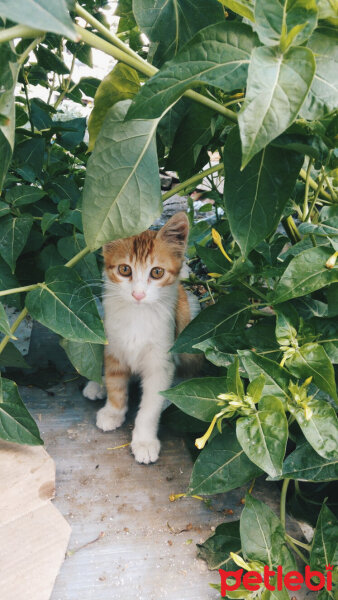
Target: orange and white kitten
column 145, row 308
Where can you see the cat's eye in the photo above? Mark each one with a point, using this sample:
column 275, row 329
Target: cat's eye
column 157, row 272
column 124, row 270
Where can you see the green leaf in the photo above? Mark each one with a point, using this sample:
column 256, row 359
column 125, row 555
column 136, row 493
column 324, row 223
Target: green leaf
column 255, row 388
column 66, row 305
column 262, row 534
column 277, row 378
column 50, row 61
column 305, row 273
column 220, row 350
column 254, row 198
column 218, row 55
column 4, row 209
column 121, row 83
column 216, row 549
column 272, row 102
column 121, row 195
column 306, row 465
column 4, row 323
column 322, row 97
column 40, row 14
column 311, row 359
column 31, row 153
column 12, row 357
column 8, row 78
column 324, row 548
column 234, row 382
column 327, row 9
column 87, row 358
column 16, row 424
column 198, row 397
column 170, row 24
column 244, row 8
column 228, row 315
column 47, row 221
column 321, row 429
column 21, row 195
column 263, row 435
column 8, row 281
column 87, row 267
column 285, row 21
column 75, row 134
column 287, row 323
column 213, row 259
column 14, row 233
column 222, row 466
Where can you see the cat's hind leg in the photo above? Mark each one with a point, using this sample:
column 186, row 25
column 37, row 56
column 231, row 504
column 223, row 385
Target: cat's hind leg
column 112, row 415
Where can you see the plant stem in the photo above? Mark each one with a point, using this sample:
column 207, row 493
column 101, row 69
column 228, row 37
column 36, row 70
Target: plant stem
column 298, row 543
column 291, row 230
column 67, row 86
column 191, row 180
column 78, row 257
column 331, row 190
column 147, row 69
column 28, row 50
column 306, row 192
column 24, row 78
column 19, row 31
column 283, row 500
column 25, row 288
column 111, row 37
column 319, row 188
column 313, row 185
column 295, row 549
column 14, row 327
column 253, row 289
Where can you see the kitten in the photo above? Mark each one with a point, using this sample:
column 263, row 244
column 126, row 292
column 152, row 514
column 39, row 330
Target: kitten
column 145, row 307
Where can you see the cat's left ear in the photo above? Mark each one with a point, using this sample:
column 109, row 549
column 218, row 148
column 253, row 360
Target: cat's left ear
column 175, row 232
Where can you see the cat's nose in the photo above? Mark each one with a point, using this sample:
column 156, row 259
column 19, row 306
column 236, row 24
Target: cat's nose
column 138, row 295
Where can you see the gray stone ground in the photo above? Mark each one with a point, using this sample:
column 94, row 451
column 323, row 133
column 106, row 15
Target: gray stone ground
column 128, row 540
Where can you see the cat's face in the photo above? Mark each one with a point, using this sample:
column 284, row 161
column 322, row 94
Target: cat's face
column 141, row 269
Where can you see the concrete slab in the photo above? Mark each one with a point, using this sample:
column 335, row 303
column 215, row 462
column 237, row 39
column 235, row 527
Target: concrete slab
column 128, row 540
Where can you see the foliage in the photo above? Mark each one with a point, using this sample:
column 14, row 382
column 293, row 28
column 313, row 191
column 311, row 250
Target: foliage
column 256, row 82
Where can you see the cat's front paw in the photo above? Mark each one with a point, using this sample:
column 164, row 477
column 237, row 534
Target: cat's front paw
column 109, row 418
column 94, row 391
column 146, row 451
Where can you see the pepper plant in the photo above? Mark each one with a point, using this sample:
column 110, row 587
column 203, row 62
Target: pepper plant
column 254, row 83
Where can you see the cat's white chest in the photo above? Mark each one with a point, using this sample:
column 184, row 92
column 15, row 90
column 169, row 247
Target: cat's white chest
column 137, row 331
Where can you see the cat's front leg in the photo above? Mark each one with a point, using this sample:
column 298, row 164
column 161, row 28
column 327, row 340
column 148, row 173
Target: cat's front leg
column 112, row 415
column 157, row 376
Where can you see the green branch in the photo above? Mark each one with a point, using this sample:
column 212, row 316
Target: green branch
column 313, row 185
column 19, row 31
column 191, row 181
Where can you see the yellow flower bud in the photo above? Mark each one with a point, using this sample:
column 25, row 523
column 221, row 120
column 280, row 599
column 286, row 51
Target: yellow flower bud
column 330, row 263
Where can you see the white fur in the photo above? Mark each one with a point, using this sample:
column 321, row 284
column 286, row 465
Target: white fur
column 94, row 391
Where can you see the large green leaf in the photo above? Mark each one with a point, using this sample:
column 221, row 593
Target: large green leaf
column 121, row 196
column 198, row 397
column 218, row 55
column 87, row 358
column 311, row 359
column 87, row 267
column 234, row 382
column 324, row 548
column 11, row 357
column 121, row 83
column 170, row 24
column 228, row 315
column 9, row 70
column 221, row 349
column 254, row 197
column 213, row 259
column 263, row 435
column 40, row 14
column 287, row 323
column 322, row 97
column 222, row 466
column 276, row 377
column 50, row 61
column 321, row 428
column 285, row 21
column 262, row 534
column 216, row 549
column 21, row 195
column 305, row 274
column 65, row 304
column 306, row 465
column 245, row 8
column 16, row 424
column 14, row 233
column 276, row 89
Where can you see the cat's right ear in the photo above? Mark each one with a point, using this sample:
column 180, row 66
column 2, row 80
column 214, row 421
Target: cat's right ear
column 175, row 232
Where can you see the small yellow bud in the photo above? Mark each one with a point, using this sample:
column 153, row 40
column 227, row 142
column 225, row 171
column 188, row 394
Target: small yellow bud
column 330, row 263
column 218, row 241
column 308, row 413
